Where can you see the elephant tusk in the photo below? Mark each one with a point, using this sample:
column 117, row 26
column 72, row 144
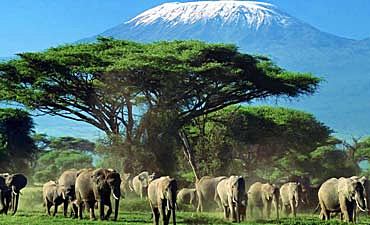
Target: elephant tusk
column 168, row 205
column 363, row 210
column 15, row 193
column 114, row 196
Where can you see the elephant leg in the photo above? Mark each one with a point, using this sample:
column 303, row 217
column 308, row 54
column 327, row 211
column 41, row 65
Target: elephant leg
column 101, row 209
column 65, row 207
column 163, row 212
column 343, row 208
column 55, row 209
column 267, row 210
column 200, row 203
column 284, row 209
column 232, row 210
column 109, row 212
column 292, row 208
column 168, row 216
column 226, row 214
column 2, row 203
column 80, row 210
column 74, row 211
column 155, row 216
column 48, row 206
column 91, row 205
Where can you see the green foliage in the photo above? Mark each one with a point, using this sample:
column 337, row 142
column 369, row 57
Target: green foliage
column 17, row 148
column 268, row 142
column 50, row 164
column 362, row 151
column 59, row 154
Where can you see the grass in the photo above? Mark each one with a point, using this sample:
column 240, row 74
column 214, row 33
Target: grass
column 136, row 212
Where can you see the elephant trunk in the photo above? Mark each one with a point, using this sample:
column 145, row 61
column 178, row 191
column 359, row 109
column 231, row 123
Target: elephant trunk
column 116, row 195
column 116, row 207
column 237, row 212
column 276, row 205
column 15, row 203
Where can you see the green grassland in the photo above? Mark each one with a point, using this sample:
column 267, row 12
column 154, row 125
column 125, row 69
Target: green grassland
column 134, row 211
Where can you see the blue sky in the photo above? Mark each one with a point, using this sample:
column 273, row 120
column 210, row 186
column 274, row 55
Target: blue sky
column 33, row 25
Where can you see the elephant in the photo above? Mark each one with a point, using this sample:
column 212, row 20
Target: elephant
column 290, row 197
column 53, row 194
column 341, row 195
column 206, row 190
column 162, row 199
column 5, row 196
column 96, row 186
column 231, row 192
column 68, row 180
column 262, row 196
column 16, row 182
column 140, row 183
column 187, row 196
column 126, row 184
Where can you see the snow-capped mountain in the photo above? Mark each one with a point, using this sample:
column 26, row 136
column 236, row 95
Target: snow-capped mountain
column 249, row 14
column 262, row 28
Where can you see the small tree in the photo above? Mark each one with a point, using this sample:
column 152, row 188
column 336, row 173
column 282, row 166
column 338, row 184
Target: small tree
column 17, row 148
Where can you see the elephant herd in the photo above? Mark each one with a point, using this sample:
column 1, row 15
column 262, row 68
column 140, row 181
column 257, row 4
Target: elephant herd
column 88, row 189
column 345, row 196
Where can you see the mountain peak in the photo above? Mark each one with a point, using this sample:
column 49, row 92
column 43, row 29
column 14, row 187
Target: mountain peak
column 251, row 13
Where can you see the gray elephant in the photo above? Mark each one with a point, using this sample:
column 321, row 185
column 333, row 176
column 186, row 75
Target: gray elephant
column 97, row 186
column 187, row 196
column 53, row 194
column 126, row 184
column 16, row 182
column 5, row 196
column 206, row 190
column 341, row 195
column 262, row 196
column 290, row 197
column 231, row 192
column 140, row 183
column 68, row 180
column 162, row 199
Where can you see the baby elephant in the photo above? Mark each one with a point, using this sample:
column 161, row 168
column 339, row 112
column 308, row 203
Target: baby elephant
column 53, row 195
column 290, row 197
column 187, row 196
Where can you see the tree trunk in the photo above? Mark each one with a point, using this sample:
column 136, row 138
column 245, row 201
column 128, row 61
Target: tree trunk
column 189, row 152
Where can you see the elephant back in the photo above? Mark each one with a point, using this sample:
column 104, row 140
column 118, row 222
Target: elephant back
column 84, row 185
column 68, row 180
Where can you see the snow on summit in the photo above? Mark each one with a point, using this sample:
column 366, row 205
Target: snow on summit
column 253, row 14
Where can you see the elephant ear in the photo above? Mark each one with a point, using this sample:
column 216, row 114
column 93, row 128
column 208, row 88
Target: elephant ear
column 113, row 177
column 98, row 176
column 363, row 180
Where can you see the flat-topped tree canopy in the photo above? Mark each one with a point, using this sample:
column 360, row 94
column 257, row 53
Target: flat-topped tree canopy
column 100, row 83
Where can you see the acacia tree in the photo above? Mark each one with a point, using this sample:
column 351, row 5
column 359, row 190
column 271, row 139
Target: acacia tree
column 101, row 83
